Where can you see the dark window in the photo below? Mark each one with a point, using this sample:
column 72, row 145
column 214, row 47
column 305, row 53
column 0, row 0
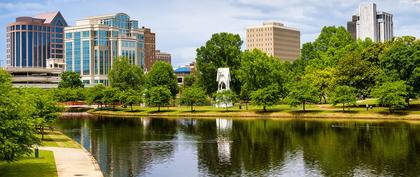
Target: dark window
column 23, row 27
column 29, row 27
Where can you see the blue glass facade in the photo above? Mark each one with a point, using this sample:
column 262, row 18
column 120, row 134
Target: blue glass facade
column 86, row 57
column 69, row 54
column 77, row 58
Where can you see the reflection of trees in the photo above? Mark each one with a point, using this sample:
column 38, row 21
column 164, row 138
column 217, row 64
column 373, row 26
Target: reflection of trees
column 227, row 147
column 123, row 147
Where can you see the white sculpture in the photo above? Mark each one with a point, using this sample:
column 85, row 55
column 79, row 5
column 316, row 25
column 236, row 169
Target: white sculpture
column 223, row 80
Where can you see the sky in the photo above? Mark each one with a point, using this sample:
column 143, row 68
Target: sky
column 182, row 26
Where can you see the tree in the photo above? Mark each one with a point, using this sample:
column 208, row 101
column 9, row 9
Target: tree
column 70, row 80
column 193, row 96
column 225, row 97
column 125, row 75
column 301, row 92
column 265, row 97
column 111, row 96
column 17, row 128
column 130, row 97
column 258, row 71
column 392, row 95
column 162, row 74
column 221, row 51
column 189, row 80
column 322, row 79
column 158, row 96
column 45, row 111
column 96, row 94
column 344, row 95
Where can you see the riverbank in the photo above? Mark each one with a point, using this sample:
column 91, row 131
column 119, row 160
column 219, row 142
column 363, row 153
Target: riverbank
column 279, row 111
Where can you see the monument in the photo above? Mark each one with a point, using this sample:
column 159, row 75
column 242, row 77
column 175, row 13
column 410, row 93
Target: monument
column 223, row 80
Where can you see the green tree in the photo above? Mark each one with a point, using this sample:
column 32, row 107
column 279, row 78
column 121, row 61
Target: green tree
column 392, row 95
column 322, row 79
column 125, row 75
column 193, row 96
column 162, row 74
column 265, row 97
column 344, row 95
column 189, row 80
column 158, row 96
column 225, row 97
column 45, row 111
column 130, row 97
column 221, row 51
column 95, row 95
column 111, row 96
column 301, row 92
column 70, row 80
column 17, row 127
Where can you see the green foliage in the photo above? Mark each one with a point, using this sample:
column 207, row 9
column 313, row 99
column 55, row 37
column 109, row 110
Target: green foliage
column 17, row 127
column 162, row 75
column 225, row 97
column 344, row 95
column 192, row 96
column 158, row 96
column 69, row 94
column 124, row 75
column 221, row 51
column 301, row 92
column 265, row 97
column 392, row 95
column 111, row 96
column 189, row 80
column 322, row 79
column 70, row 80
column 95, row 94
column 130, row 97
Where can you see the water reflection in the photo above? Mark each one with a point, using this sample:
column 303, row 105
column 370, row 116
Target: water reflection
column 226, row 147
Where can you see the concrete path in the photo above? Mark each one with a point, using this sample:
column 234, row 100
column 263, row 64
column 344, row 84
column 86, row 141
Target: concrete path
column 72, row 162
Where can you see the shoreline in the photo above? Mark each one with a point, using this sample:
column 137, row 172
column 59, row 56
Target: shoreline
column 235, row 115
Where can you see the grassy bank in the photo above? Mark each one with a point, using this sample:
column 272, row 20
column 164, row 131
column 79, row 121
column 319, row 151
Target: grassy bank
column 58, row 139
column 30, row 166
column 278, row 111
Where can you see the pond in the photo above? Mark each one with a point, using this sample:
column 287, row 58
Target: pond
column 251, row 147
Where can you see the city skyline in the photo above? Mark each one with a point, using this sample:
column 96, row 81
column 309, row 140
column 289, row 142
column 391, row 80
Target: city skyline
column 182, row 26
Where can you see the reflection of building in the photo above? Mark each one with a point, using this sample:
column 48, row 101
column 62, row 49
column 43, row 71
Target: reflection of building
column 35, row 77
column 275, row 39
column 162, row 56
column 369, row 23
column 224, row 127
column 31, row 41
column 149, row 48
column 93, row 44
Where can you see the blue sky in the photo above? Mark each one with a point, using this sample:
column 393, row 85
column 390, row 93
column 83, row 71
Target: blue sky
column 181, row 26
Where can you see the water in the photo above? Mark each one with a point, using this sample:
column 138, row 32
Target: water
column 258, row 147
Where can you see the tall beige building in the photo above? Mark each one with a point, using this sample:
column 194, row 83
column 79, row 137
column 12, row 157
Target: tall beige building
column 275, row 39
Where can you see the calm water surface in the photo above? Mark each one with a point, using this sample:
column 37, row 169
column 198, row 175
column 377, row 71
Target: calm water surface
column 226, row 147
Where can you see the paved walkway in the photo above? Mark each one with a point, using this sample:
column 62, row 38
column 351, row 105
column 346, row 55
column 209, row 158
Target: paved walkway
column 72, row 162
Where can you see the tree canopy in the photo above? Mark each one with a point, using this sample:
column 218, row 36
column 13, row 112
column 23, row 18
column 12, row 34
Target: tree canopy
column 162, row 75
column 124, row 75
column 70, row 80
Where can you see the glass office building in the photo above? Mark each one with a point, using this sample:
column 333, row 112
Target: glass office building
column 31, row 41
column 94, row 43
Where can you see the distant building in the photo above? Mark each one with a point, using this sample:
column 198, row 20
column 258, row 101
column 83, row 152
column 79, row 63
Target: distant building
column 149, row 48
column 369, row 23
column 94, row 43
column 275, row 39
column 35, row 50
column 31, row 41
column 183, row 71
column 162, row 56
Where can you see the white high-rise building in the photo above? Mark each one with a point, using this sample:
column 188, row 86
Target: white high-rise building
column 370, row 23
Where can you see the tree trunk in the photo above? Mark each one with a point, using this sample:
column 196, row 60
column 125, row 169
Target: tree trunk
column 325, row 99
column 131, row 106
column 42, row 132
column 246, row 105
column 304, row 105
column 192, row 109
column 158, row 108
column 265, row 110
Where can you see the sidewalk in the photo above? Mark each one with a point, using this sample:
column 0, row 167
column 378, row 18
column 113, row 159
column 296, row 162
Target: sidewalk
column 72, row 162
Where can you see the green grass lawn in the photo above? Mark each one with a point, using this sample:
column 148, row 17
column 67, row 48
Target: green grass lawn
column 58, row 139
column 30, row 166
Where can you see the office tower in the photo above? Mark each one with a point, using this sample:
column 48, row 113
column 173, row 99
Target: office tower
column 275, row 39
column 94, row 43
column 369, row 23
column 149, row 48
column 32, row 41
column 162, row 56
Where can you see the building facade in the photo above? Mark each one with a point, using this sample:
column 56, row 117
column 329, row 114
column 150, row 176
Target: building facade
column 94, row 43
column 275, row 39
column 369, row 23
column 32, row 41
column 149, row 48
column 162, row 56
